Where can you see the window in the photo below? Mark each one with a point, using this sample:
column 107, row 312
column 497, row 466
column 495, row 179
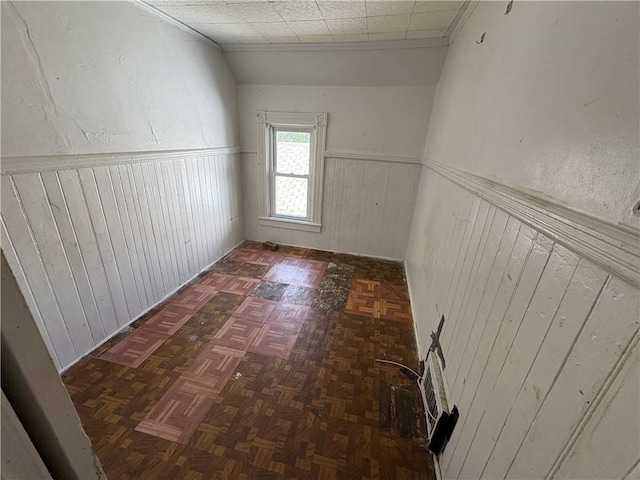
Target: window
column 291, row 159
column 291, row 172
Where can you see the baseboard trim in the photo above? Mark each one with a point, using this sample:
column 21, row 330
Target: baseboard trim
column 377, row 257
column 159, row 302
column 42, row 163
column 616, row 248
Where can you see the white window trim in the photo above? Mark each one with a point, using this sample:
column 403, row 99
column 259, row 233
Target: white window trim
column 266, row 122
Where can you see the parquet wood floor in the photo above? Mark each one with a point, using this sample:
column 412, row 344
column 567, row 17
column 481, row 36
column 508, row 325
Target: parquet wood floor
column 263, row 368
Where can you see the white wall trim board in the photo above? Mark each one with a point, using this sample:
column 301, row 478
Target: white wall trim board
column 614, row 247
column 377, row 257
column 467, row 9
column 30, row 164
column 414, row 315
column 290, row 223
column 461, row 17
column 173, row 21
column 372, row 157
column 159, row 302
column 336, row 47
column 352, row 155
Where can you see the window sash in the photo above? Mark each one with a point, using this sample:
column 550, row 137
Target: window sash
column 273, row 134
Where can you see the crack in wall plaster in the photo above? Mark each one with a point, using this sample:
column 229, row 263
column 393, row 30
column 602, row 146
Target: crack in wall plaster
column 51, row 114
column 153, row 132
column 77, row 124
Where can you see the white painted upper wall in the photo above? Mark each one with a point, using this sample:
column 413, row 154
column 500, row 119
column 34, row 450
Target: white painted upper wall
column 378, row 103
column 548, row 103
column 340, row 65
column 359, row 195
column 383, row 120
column 102, row 77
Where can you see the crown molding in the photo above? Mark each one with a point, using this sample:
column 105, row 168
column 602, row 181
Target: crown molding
column 30, row 164
column 463, row 15
column 335, row 47
column 616, row 248
column 167, row 18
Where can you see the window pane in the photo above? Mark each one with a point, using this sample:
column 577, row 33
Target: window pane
column 291, row 196
column 292, row 152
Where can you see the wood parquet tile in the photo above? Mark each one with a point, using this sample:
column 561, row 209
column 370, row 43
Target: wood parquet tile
column 275, row 340
column 135, row 347
column 194, row 296
column 237, row 333
column 285, row 315
column 217, row 362
column 289, row 391
column 241, row 285
column 255, row 309
column 379, row 300
column 179, row 412
column 215, row 280
column 169, row 320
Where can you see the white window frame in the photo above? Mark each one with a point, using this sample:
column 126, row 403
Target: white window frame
column 268, row 124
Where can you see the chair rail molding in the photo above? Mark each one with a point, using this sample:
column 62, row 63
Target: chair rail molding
column 356, row 155
column 41, row 163
column 616, row 248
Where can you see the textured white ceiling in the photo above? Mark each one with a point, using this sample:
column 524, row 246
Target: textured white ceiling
column 309, row 21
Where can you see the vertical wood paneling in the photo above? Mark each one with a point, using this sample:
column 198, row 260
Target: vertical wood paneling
column 367, row 208
column 160, row 231
column 510, row 323
column 94, row 248
column 611, row 327
column 91, row 257
column 133, row 238
column 148, row 205
column 74, row 255
column 185, row 217
column 485, row 297
column 618, row 409
column 474, row 247
column 534, row 338
column 522, row 352
column 20, row 238
column 46, row 235
column 578, row 299
column 477, row 288
column 140, row 205
column 468, row 392
column 12, row 260
column 103, row 239
column 189, row 212
column 115, row 233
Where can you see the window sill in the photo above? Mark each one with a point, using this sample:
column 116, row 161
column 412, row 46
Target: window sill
column 290, row 224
